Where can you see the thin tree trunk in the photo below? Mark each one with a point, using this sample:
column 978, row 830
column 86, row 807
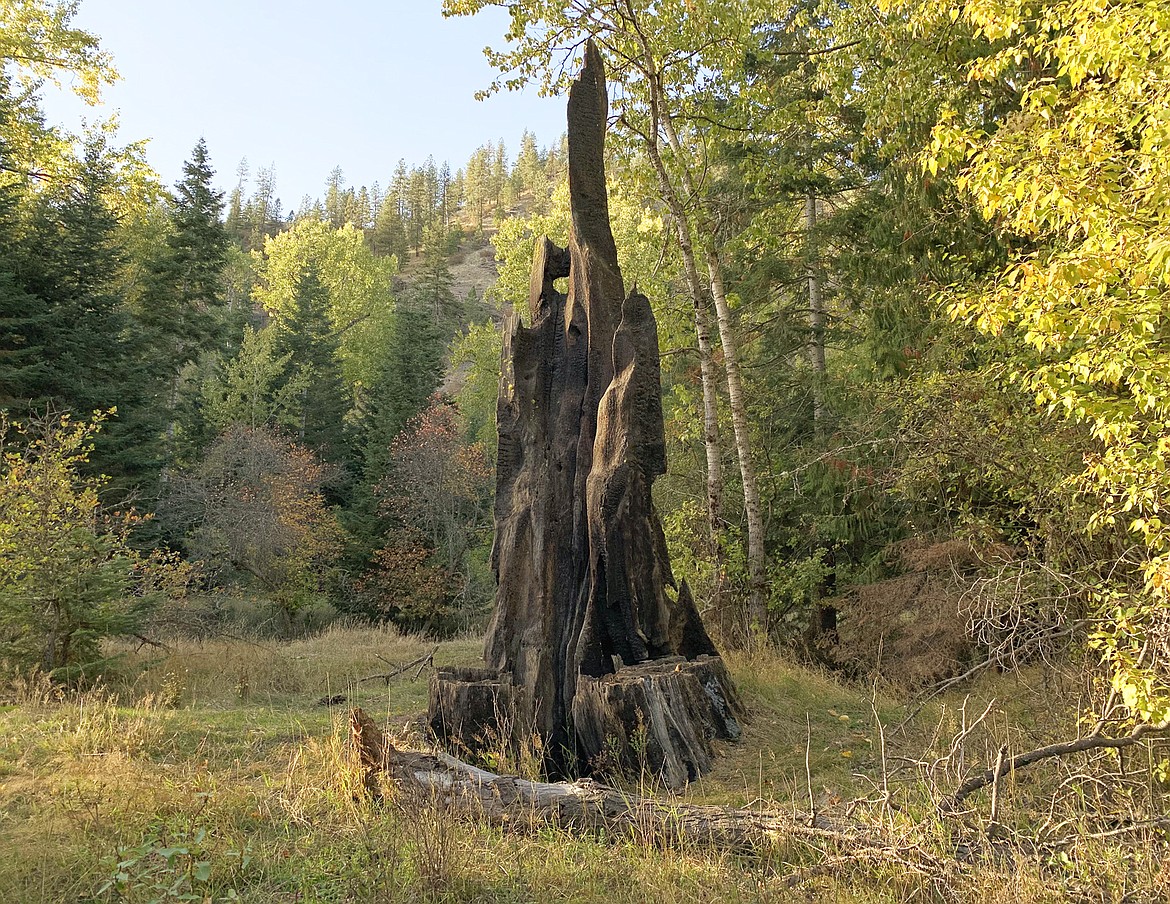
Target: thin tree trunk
column 816, row 342
column 706, row 365
column 678, row 217
column 702, row 315
column 660, row 119
column 757, row 556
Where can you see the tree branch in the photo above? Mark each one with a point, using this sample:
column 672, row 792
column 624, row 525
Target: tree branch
column 1092, row 742
column 421, row 662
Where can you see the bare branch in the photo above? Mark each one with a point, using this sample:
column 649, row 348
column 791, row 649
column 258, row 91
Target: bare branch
column 1064, row 748
column 422, row 662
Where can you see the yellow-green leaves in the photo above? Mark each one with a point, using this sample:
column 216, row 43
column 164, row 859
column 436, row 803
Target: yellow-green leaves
column 38, row 42
column 359, row 285
column 1079, row 177
column 68, row 577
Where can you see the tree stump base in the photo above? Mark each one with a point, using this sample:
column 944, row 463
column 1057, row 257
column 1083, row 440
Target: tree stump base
column 470, row 707
column 659, row 718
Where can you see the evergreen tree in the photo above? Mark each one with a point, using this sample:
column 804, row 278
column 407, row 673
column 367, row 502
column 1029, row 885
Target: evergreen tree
column 498, row 177
column 399, row 187
column 184, row 308
column 308, row 340
column 263, row 211
column 236, row 222
column 456, row 193
column 444, row 210
column 184, row 317
column 68, row 265
column 388, row 237
column 411, row 373
column 531, row 177
column 476, row 186
column 24, row 363
column 69, row 261
column 254, row 389
column 358, row 208
column 433, row 288
column 335, row 197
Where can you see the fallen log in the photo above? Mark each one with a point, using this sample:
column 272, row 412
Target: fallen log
column 580, row 806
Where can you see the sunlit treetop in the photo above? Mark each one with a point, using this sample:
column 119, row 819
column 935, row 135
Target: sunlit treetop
column 686, row 37
column 38, row 43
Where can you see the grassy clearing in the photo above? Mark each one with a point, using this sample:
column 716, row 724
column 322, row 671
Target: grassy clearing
column 211, row 773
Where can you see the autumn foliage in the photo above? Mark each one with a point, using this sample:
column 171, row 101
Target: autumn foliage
column 436, row 496
column 255, row 506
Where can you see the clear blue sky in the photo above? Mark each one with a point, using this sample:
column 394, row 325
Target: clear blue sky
column 306, row 86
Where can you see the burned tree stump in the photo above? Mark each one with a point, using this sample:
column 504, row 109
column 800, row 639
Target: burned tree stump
column 593, row 642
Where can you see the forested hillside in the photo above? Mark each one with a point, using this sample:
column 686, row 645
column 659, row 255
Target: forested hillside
column 910, row 265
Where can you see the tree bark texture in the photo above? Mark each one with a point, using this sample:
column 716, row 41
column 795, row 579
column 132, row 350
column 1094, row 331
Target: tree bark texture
column 816, row 314
column 592, row 637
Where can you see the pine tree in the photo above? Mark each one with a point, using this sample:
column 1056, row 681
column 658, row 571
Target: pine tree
column 236, row 222
column 23, row 362
column 335, row 197
column 411, row 374
column 530, row 174
column 499, row 177
column 433, row 288
column 67, row 266
column 445, row 196
column 23, row 316
column 476, row 187
column 70, row 261
column 183, row 316
column 358, row 208
column 389, row 233
column 263, row 210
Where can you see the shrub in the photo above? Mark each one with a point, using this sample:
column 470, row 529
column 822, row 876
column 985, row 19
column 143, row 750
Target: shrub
column 254, row 507
column 68, row 577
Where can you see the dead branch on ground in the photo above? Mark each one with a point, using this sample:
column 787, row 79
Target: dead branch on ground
column 422, row 662
column 591, row 807
column 1095, row 741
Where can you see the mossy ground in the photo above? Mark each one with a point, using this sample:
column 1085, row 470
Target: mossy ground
column 212, row 773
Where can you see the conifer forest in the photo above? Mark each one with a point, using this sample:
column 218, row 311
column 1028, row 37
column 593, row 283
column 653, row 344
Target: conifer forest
column 262, row 485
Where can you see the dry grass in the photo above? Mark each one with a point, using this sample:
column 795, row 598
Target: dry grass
column 211, row 773
column 224, row 672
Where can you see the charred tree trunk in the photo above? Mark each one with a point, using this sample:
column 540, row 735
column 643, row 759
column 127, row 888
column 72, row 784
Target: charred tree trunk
column 586, row 598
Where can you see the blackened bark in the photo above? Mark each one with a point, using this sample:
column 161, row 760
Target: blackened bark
column 585, row 587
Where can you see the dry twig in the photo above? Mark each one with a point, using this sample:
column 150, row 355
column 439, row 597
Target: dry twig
column 422, row 662
column 1095, row 741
